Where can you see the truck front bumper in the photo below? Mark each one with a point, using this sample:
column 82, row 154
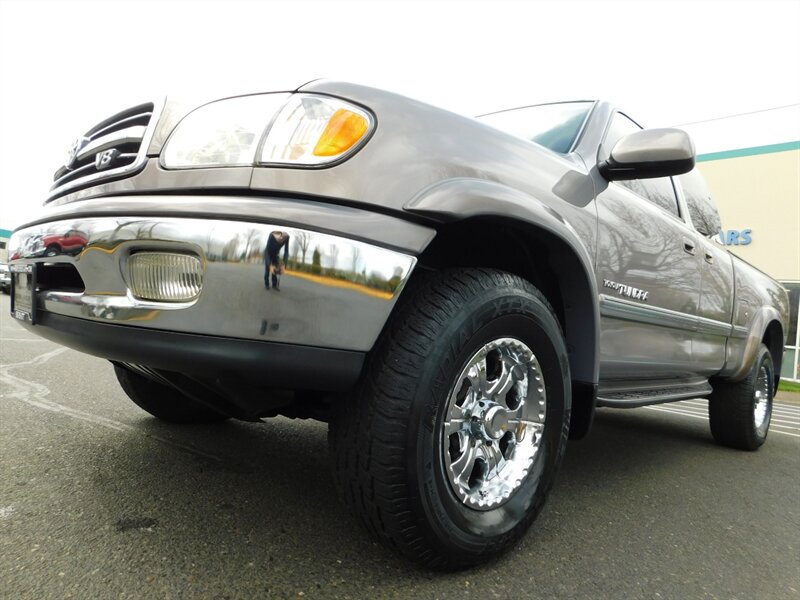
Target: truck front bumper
column 335, row 295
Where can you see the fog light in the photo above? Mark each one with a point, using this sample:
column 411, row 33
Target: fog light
column 165, row 276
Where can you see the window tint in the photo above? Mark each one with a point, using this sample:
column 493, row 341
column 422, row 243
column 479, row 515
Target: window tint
column 658, row 190
column 554, row 126
column 702, row 210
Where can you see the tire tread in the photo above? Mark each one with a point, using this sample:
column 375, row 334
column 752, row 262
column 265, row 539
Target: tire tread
column 368, row 436
column 730, row 408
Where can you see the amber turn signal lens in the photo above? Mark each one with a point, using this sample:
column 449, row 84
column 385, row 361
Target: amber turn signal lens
column 344, row 129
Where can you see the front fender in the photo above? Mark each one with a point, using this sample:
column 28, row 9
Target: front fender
column 464, row 198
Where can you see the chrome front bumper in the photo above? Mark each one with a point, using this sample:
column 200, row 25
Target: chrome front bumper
column 336, row 293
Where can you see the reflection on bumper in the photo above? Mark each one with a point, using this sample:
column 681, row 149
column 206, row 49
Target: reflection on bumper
column 332, row 291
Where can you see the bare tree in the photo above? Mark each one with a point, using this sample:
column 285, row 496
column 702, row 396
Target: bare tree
column 252, row 241
column 356, row 258
column 303, row 240
column 333, row 250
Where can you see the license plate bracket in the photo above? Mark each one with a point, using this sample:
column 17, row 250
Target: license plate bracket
column 23, row 287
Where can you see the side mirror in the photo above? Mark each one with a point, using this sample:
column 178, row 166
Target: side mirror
column 649, row 153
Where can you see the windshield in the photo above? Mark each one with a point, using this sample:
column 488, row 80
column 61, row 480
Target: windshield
column 554, row 126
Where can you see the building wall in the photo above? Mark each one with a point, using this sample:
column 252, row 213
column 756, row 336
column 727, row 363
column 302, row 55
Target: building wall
column 760, row 192
column 4, row 235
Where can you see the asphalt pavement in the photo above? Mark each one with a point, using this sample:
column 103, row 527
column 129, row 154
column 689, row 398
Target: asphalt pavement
column 99, row 500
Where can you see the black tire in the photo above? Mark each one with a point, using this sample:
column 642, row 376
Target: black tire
column 52, row 250
column 163, row 401
column 386, row 439
column 732, row 406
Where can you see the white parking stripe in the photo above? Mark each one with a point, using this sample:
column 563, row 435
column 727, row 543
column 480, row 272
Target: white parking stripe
column 678, row 411
column 35, row 394
column 786, row 422
column 777, row 410
column 776, row 416
column 661, row 409
column 695, row 402
column 776, row 426
column 781, row 428
column 776, row 407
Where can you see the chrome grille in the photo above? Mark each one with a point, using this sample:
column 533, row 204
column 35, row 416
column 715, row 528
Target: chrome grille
column 112, row 148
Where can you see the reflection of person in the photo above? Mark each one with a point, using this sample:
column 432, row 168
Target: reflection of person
column 272, row 266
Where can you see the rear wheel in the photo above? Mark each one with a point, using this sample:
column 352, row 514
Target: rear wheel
column 164, row 401
column 739, row 412
column 449, row 446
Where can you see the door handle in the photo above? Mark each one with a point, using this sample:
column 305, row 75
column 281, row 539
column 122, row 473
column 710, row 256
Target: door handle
column 689, row 247
column 709, row 258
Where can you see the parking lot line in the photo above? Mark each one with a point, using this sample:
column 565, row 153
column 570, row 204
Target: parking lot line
column 682, row 409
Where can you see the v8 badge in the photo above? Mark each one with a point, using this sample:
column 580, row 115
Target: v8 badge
column 103, row 160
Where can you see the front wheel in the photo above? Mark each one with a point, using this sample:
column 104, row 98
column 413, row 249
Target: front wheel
column 739, row 412
column 449, row 446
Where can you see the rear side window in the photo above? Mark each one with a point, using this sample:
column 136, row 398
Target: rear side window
column 702, row 209
column 659, row 190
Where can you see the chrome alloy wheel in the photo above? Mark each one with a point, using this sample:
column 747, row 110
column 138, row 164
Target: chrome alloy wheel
column 494, row 422
column 762, row 408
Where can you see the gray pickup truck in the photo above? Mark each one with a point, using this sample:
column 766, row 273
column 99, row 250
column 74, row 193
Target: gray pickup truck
column 454, row 296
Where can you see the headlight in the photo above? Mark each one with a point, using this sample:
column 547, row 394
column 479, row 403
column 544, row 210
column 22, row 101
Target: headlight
column 313, row 130
column 223, row 133
column 306, row 130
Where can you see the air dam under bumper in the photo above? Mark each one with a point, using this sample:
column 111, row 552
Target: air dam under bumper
column 335, row 293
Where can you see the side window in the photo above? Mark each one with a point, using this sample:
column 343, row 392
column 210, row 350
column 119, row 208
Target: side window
column 659, row 190
column 702, row 209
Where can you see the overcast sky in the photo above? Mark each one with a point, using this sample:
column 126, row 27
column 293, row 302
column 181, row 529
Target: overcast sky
column 66, row 65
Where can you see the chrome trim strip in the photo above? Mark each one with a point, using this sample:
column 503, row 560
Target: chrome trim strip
column 73, row 172
column 135, row 117
column 617, row 308
column 335, row 293
column 141, row 158
column 121, row 136
column 353, row 223
column 740, row 332
column 713, row 327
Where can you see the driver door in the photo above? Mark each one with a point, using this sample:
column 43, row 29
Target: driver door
column 648, row 276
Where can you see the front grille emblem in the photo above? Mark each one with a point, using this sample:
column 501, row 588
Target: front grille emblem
column 104, row 159
column 113, row 147
column 74, row 150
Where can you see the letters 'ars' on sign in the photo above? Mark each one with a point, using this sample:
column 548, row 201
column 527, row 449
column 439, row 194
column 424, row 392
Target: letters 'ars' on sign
column 736, row 237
